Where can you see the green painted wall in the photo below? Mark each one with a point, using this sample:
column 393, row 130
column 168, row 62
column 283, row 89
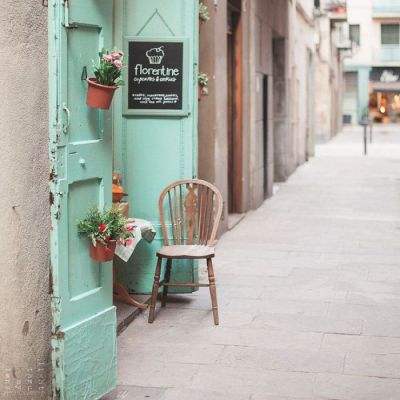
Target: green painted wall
column 152, row 151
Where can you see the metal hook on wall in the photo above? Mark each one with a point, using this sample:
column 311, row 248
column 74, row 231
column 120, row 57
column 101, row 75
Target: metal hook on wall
column 45, row 3
column 84, row 73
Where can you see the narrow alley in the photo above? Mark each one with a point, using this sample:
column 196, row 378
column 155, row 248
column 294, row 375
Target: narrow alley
column 309, row 293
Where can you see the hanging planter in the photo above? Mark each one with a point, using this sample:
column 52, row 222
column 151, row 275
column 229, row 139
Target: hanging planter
column 105, row 229
column 107, row 79
column 99, row 96
column 103, row 252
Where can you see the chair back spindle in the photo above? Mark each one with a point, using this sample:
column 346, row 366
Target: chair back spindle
column 190, row 212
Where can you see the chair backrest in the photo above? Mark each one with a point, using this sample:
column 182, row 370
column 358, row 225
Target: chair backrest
column 190, row 212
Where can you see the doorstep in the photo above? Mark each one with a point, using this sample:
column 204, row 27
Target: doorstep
column 127, row 313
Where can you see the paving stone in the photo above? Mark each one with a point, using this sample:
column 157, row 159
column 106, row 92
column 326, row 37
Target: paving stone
column 382, row 326
column 384, row 273
column 247, row 381
column 361, row 344
column 190, row 394
column 308, row 323
column 282, row 360
column 199, row 353
column 280, row 306
column 347, row 387
column 152, row 373
column 377, row 365
column 137, row 393
column 373, row 298
column 362, row 311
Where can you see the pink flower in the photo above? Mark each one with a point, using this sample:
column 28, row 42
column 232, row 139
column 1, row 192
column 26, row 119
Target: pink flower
column 108, row 58
column 129, row 242
column 130, row 228
column 117, row 55
column 118, row 64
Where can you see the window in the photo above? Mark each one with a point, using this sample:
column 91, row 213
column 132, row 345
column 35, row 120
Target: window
column 354, row 31
column 390, row 34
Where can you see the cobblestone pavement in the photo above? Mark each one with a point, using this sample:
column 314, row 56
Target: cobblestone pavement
column 309, row 292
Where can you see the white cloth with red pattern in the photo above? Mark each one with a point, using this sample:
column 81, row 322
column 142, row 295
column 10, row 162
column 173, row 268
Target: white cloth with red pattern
column 141, row 229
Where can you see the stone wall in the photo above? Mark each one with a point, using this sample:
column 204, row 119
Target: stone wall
column 213, row 124
column 271, row 53
column 25, row 325
column 270, row 23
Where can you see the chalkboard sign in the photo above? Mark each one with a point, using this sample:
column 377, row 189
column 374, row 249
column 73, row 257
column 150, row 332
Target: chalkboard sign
column 155, row 75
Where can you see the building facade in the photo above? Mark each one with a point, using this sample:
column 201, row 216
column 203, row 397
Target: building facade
column 257, row 123
column 331, row 48
column 372, row 75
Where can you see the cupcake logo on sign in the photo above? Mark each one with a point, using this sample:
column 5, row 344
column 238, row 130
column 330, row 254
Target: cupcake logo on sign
column 156, row 55
column 155, row 75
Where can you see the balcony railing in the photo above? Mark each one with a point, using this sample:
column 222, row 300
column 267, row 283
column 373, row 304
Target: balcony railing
column 390, row 53
column 386, row 8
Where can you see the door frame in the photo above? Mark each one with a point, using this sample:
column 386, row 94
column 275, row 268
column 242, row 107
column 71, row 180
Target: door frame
column 236, row 182
column 266, row 133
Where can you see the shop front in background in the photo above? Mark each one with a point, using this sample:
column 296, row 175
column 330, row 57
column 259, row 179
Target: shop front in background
column 384, row 101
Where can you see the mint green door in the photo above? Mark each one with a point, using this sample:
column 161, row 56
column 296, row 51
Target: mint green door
column 154, row 148
column 84, row 319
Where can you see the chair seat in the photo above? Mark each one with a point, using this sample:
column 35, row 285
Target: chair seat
column 187, row 251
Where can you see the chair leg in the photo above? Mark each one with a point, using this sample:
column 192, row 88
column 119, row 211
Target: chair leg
column 154, row 294
column 213, row 290
column 167, row 278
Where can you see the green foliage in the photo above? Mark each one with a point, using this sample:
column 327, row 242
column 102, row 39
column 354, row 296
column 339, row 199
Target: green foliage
column 103, row 226
column 203, row 12
column 108, row 71
column 203, row 79
column 203, row 83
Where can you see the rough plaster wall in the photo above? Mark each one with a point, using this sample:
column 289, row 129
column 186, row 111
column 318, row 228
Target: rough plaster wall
column 323, row 106
column 282, row 148
column 25, row 322
column 213, row 123
column 248, row 89
column 308, row 7
column 304, row 44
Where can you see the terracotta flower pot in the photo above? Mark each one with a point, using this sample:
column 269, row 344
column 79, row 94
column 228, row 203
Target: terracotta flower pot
column 102, row 253
column 99, row 96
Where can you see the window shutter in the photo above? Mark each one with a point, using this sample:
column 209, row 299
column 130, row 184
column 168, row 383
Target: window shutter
column 390, row 34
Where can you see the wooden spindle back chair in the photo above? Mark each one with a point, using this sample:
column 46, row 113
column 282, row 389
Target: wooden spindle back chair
column 190, row 213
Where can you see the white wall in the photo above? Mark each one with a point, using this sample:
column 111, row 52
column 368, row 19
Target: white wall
column 360, row 12
column 308, row 7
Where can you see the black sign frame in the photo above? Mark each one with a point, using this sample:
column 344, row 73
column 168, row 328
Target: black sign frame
column 184, row 65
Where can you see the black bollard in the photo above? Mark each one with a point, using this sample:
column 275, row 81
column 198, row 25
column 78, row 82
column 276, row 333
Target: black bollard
column 371, row 127
column 365, row 140
column 364, row 123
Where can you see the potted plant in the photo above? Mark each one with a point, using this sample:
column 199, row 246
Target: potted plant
column 204, row 15
column 105, row 229
column 106, row 81
column 203, row 84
